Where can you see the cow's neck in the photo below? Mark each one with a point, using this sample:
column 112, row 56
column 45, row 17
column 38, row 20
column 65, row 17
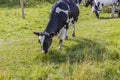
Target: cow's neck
column 51, row 27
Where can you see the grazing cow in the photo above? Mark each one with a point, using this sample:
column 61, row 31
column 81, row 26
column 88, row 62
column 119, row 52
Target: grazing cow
column 97, row 6
column 63, row 13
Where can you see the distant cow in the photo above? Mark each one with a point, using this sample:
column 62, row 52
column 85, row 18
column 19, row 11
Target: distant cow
column 63, row 13
column 97, row 6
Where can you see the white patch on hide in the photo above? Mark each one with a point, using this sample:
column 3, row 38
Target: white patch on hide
column 77, row 4
column 62, row 34
column 70, row 21
column 58, row 10
column 42, row 38
column 105, row 3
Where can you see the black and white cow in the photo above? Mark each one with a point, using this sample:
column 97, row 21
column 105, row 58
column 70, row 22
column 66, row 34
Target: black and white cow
column 97, row 6
column 63, row 13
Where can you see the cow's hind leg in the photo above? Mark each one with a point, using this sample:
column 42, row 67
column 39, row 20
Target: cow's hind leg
column 119, row 9
column 73, row 31
column 67, row 27
column 113, row 10
column 66, row 34
column 74, row 26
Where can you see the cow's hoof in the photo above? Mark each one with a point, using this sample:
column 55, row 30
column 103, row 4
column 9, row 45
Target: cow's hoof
column 73, row 35
column 97, row 14
column 118, row 15
column 60, row 48
column 66, row 38
column 98, row 17
column 112, row 15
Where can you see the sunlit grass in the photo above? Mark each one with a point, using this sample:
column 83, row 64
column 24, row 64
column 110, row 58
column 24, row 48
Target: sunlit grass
column 94, row 54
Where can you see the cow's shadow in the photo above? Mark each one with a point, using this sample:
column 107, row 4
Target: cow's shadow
column 84, row 50
column 106, row 18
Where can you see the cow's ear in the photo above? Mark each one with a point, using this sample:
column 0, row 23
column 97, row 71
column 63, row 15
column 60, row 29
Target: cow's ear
column 37, row 33
column 51, row 35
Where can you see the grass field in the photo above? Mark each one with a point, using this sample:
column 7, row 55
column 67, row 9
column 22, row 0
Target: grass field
column 94, row 54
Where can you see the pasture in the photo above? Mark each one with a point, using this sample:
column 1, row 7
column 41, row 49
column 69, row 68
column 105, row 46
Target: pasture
column 94, row 54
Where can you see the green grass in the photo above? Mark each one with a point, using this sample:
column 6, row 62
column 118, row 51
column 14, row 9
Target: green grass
column 94, row 54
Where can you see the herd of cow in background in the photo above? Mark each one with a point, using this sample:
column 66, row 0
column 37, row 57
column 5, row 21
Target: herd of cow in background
column 64, row 14
column 97, row 6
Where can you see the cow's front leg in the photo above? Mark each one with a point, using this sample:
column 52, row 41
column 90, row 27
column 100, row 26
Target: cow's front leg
column 62, row 36
column 97, row 14
column 113, row 11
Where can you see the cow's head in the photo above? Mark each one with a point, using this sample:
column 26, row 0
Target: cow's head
column 88, row 2
column 45, row 40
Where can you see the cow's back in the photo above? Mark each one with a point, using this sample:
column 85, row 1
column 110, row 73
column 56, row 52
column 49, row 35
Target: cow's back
column 106, row 2
column 57, row 20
